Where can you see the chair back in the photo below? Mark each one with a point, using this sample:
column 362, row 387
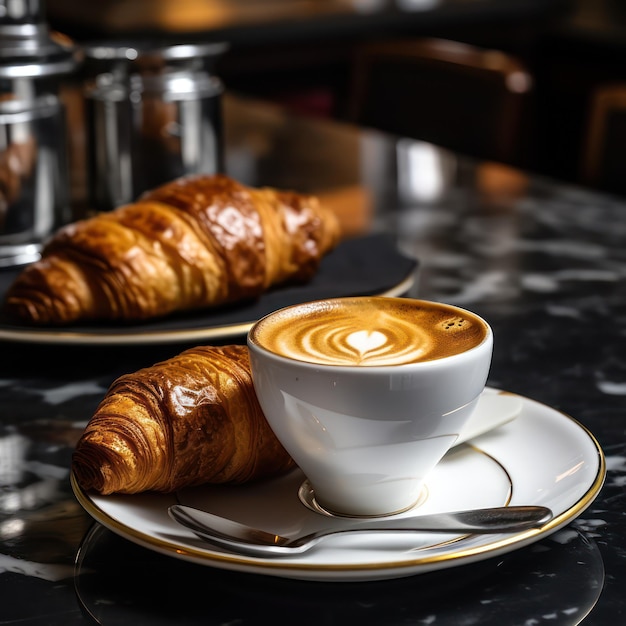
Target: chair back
column 472, row 100
column 604, row 151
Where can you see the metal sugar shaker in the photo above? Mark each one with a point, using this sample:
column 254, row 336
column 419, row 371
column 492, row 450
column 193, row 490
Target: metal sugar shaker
column 153, row 115
column 34, row 196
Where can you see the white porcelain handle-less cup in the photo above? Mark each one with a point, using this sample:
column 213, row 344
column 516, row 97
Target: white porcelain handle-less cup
column 367, row 394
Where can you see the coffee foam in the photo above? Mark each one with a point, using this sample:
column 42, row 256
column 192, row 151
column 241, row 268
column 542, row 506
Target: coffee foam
column 369, row 331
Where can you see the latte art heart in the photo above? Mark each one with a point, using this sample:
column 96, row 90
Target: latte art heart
column 398, row 342
column 364, row 341
column 369, row 331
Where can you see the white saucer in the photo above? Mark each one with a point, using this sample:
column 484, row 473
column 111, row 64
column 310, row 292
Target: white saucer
column 542, row 457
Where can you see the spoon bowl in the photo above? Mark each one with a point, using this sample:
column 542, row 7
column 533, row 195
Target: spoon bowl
column 243, row 539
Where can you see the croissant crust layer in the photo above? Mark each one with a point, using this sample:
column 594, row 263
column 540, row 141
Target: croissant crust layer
column 190, row 420
column 196, row 242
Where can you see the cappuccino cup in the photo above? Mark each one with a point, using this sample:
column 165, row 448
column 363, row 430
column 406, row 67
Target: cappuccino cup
column 367, row 394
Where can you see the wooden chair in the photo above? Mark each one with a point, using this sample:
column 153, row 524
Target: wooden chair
column 604, row 145
column 472, row 100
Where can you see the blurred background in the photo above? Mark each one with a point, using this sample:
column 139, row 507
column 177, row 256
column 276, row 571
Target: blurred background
column 537, row 84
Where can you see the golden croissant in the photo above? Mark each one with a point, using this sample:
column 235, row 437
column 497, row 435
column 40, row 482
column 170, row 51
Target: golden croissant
column 196, row 242
column 190, row 420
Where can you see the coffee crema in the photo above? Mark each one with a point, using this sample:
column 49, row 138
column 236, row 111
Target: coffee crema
column 369, row 331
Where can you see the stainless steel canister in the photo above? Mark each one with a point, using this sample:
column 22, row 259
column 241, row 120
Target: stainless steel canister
column 153, row 114
column 34, row 198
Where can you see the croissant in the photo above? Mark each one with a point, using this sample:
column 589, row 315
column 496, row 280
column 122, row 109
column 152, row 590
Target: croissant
column 196, row 242
column 193, row 419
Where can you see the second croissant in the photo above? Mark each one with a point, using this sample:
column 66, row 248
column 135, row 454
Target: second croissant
column 196, row 242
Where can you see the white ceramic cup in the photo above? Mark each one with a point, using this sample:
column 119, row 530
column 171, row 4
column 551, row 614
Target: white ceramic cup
column 367, row 394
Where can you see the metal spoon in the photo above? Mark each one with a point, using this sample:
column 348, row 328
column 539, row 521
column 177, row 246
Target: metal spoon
column 244, row 539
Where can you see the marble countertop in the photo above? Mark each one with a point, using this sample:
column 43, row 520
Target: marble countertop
column 544, row 262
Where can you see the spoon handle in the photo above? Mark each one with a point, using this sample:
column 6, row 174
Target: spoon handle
column 503, row 519
column 247, row 540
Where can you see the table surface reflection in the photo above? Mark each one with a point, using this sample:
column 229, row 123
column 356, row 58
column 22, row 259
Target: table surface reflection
column 545, row 263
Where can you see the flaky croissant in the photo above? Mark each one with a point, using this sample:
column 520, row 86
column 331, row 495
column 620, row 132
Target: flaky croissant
column 192, row 419
column 196, row 242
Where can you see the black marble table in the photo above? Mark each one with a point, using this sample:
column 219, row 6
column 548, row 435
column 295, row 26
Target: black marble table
column 544, row 262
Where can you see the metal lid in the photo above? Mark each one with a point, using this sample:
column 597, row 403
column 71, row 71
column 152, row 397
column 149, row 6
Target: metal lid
column 159, row 51
column 150, row 57
column 27, row 46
